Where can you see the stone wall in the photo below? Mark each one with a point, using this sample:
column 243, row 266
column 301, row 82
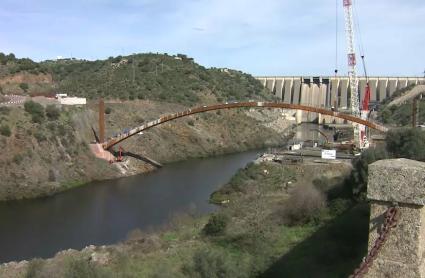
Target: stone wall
column 398, row 182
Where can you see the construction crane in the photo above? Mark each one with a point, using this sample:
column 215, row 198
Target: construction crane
column 351, row 54
column 364, row 113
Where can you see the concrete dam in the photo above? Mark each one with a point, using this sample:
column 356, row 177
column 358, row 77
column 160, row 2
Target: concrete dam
column 328, row 92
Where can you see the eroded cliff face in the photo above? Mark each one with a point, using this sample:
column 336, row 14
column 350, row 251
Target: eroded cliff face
column 26, row 83
column 42, row 159
column 25, row 77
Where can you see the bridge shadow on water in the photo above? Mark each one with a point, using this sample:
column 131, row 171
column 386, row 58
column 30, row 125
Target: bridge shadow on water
column 143, row 158
column 333, row 251
column 139, row 157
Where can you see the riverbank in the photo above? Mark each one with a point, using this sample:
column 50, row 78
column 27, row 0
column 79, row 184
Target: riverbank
column 51, row 156
column 270, row 209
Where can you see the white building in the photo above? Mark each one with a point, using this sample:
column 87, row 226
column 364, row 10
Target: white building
column 58, row 96
column 72, row 100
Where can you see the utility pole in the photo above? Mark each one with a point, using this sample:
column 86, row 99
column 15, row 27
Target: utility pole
column 101, row 121
column 414, row 112
column 133, row 70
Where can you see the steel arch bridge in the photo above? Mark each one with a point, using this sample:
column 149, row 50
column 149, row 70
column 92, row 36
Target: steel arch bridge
column 117, row 139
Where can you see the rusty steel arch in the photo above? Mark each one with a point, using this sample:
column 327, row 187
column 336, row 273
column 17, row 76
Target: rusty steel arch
column 115, row 140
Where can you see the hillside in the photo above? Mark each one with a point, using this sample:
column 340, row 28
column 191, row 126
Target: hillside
column 45, row 155
column 140, row 76
column 152, row 76
column 47, row 148
column 397, row 111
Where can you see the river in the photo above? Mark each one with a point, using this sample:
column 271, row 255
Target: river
column 104, row 212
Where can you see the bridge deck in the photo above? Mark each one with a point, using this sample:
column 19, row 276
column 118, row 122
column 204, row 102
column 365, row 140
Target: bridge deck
column 110, row 143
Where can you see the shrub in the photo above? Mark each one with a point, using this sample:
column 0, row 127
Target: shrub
column 18, row 158
column 52, row 112
column 108, row 110
column 303, row 205
column 216, row 224
column 191, row 122
column 406, row 143
column 34, row 268
column 4, row 110
column 36, row 111
column 359, row 174
column 213, row 264
column 80, row 267
column 39, row 135
column 5, row 130
column 24, row 86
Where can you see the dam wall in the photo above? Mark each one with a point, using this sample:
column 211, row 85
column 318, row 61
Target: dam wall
column 331, row 92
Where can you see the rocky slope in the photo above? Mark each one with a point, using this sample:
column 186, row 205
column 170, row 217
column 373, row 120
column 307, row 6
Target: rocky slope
column 44, row 158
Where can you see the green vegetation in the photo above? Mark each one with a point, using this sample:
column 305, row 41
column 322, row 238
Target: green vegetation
column 151, row 76
column 108, row 110
column 5, row 130
column 406, row 143
column 213, row 264
column 4, row 110
column 216, row 224
column 400, row 115
column 36, row 111
column 35, row 268
column 140, row 76
column 400, row 143
column 252, row 235
column 9, row 64
column 24, row 86
column 52, row 112
column 81, row 267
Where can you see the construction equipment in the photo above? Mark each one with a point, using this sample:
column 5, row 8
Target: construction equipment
column 351, row 55
column 364, row 113
column 360, row 139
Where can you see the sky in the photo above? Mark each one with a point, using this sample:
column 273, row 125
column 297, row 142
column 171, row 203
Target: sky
column 261, row 37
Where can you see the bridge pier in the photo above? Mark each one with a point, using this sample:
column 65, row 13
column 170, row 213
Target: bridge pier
column 401, row 182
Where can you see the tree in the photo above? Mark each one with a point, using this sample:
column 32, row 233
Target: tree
column 216, row 224
column 36, row 110
column 406, row 143
column 210, row 263
column 11, row 57
column 3, row 59
column 5, row 130
column 24, row 86
column 52, row 112
column 108, row 110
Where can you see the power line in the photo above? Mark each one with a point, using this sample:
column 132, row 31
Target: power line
column 357, row 22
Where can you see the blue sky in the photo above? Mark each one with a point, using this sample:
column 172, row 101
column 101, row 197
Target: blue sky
column 267, row 37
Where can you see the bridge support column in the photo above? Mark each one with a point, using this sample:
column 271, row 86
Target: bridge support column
column 399, row 181
column 101, row 121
